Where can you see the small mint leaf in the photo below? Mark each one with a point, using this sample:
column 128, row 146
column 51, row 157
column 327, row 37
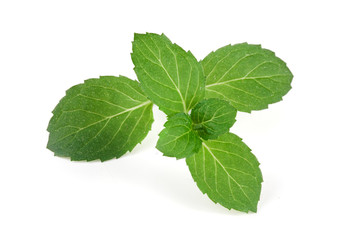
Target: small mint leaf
column 172, row 78
column 227, row 171
column 247, row 76
column 213, row 117
column 178, row 139
column 100, row 119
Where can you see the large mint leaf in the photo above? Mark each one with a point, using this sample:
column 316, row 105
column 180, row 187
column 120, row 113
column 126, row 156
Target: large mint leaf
column 178, row 139
column 248, row 76
column 169, row 76
column 100, row 119
column 227, row 171
column 213, row 117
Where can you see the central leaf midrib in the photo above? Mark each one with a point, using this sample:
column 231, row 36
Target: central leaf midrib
column 176, row 87
column 171, row 79
column 106, row 118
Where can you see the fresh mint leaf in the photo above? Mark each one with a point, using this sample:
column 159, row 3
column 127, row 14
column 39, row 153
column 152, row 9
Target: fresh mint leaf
column 213, row 117
column 227, row 171
column 100, row 119
column 247, row 76
column 178, row 139
column 169, row 76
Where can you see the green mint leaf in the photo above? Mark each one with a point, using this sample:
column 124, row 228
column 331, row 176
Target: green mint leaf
column 213, row 117
column 100, row 119
column 247, row 76
column 169, row 76
column 227, row 171
column 178, row 139
column 70, row 93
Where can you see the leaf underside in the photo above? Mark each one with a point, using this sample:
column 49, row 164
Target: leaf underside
column 178, row 139
column 247, row 76
column 213, row 117
column 227, row 171
column 172, row 78
column 100, row 119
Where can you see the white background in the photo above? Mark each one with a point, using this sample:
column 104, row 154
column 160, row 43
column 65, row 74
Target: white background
column 308, row 144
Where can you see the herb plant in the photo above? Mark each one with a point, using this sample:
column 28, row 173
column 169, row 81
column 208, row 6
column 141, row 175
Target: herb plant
column 106, row 117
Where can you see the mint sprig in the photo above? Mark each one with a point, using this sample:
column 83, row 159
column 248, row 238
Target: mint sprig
column 106, row 117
